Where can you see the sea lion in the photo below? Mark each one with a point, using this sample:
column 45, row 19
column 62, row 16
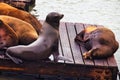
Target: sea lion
column 6, row 9
column 7, row 36
column 44, row 46
column 99, row 41
column 14, row 31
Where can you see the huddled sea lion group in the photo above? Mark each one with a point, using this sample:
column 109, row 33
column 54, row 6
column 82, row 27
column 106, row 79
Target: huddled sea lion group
column 20, row 14
column 24, row 38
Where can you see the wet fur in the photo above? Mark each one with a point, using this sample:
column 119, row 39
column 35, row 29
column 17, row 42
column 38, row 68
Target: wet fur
column 18, row 31
column 100, row 42
column 7, row 36
column 6, row 9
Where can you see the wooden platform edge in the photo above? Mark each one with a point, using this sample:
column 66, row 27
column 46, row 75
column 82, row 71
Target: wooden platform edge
column 51, row 68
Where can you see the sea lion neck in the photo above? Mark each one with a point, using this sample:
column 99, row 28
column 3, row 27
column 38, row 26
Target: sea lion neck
column 54, row 24
column 47, row 27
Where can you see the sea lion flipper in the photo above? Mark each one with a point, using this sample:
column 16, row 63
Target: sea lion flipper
column 15, row 60
column 63, row 58
column 59, row 57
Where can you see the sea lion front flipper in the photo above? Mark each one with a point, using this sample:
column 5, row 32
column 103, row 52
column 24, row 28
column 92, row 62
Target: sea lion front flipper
column 63, row 58
column 90, row 54
column 57, row 57
column 15, row 60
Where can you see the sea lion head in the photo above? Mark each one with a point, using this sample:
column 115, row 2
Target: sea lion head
column 54, row 18
column 6, row 38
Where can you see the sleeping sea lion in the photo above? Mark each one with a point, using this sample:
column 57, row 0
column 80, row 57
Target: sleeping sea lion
column 99, row 41
column 44, row 46
column 14, row 31
column 6, row 9
column 7, row 36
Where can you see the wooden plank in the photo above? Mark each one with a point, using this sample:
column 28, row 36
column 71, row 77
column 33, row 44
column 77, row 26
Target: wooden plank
column 61, row 51
column 65, row 43
column 75, row 49
column 111, row 61
column 79, row 27
column 100, row 62
column 48, row 68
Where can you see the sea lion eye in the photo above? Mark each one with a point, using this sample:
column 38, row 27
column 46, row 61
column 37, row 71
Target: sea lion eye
column 56, row 16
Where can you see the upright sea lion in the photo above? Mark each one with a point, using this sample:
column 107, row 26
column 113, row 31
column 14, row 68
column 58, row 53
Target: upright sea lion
column 44, row 46
column 18, row 31
column 6, row 9
column 99, row 41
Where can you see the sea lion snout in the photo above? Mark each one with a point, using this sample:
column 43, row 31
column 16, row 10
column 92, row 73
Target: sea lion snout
column 53, row 19
column 61, row 16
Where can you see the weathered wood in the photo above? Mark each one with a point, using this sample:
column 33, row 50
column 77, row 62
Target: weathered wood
column 79, row 28
column 61, row 51
column 75, row 49
column 48, row 68
column 65, row 43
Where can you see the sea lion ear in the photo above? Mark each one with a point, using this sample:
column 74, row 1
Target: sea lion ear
column 1, row 22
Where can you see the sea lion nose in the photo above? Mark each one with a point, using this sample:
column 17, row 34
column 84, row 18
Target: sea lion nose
column 62, row 15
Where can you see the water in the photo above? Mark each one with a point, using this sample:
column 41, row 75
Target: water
column 103, row 12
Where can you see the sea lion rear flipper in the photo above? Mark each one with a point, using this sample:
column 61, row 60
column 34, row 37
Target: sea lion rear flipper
column 15, row 60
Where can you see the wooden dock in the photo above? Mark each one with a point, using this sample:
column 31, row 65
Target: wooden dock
column 102, row 69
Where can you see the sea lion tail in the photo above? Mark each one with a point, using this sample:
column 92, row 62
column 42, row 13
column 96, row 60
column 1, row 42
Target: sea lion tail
column 14, row 59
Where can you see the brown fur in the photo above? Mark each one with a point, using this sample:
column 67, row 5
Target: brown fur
column 7, row 36
column 17, row 31
column 100, row 42
column 6, row 9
